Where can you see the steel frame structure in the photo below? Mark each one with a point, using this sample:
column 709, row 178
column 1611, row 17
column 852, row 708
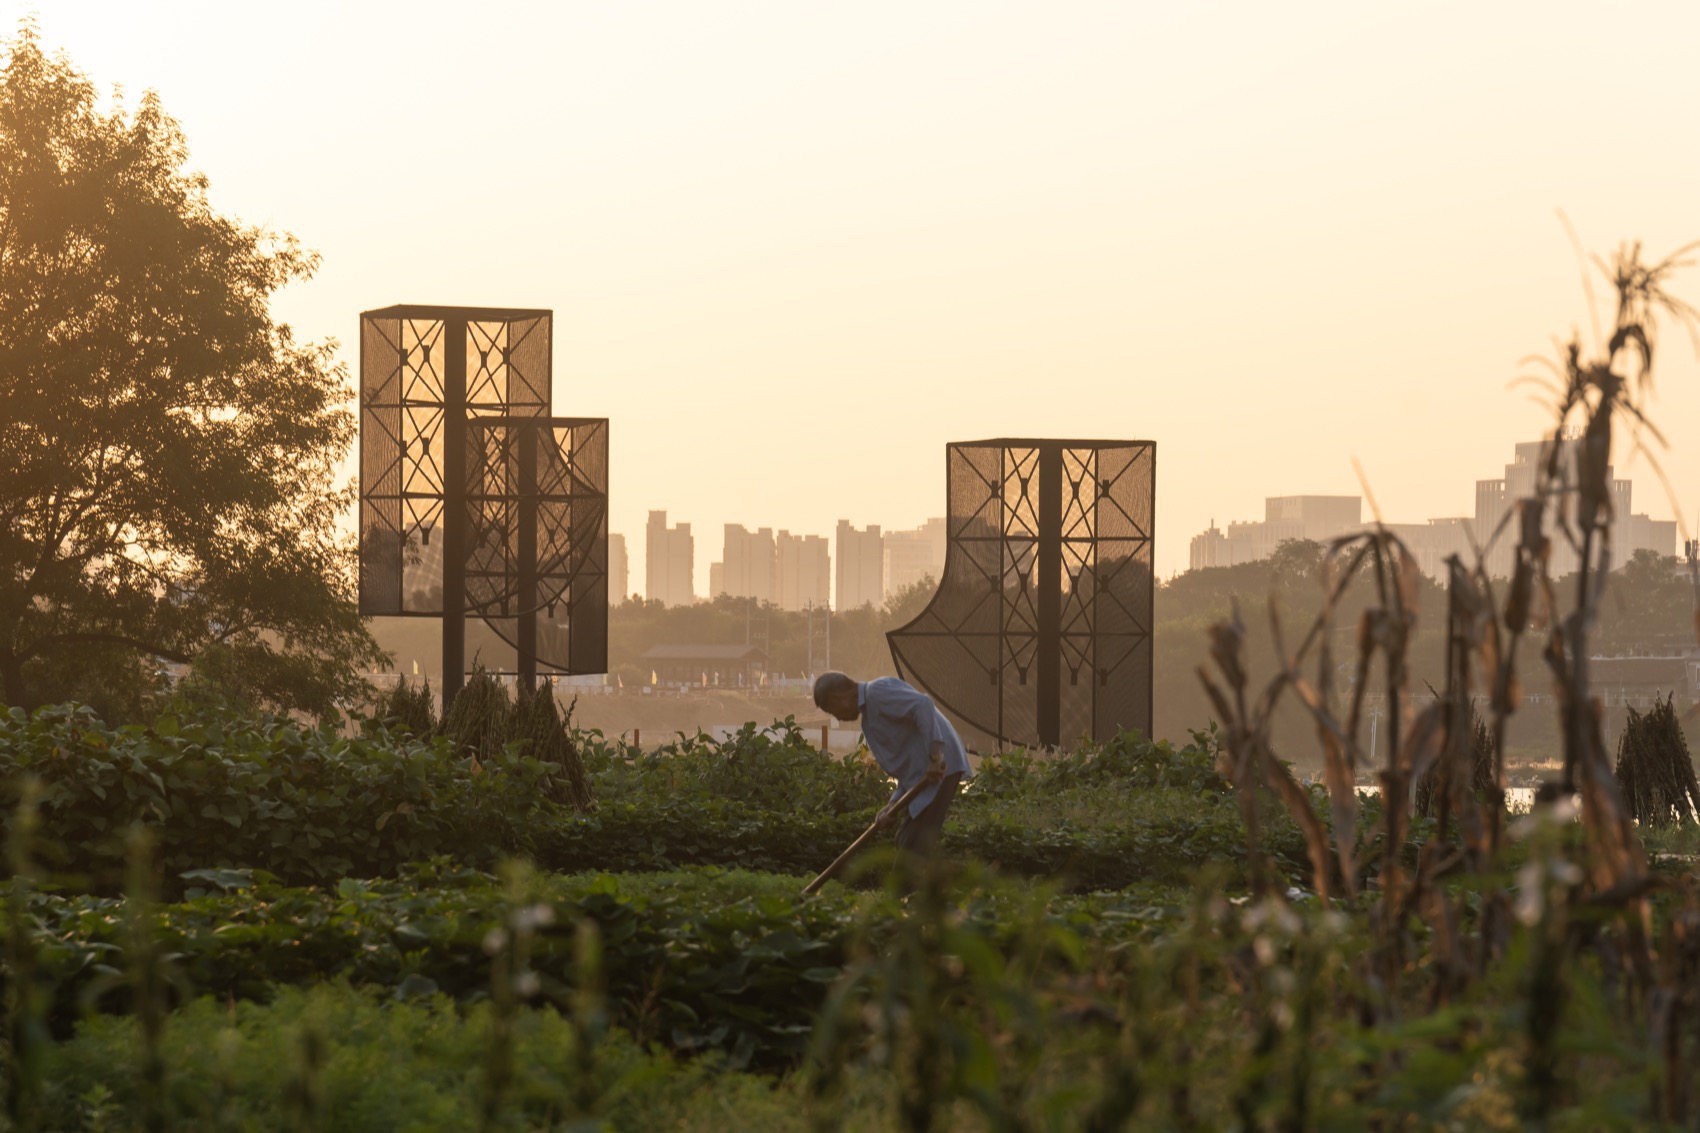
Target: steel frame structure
column 1041, row 626
column 449, row 396
column 537, row 545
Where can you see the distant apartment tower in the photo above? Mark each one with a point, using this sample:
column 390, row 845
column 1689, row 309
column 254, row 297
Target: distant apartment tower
column 669, row 561
column 1432, row 543
column 619, row 572
column 911, row 556
column 1209, row 548
column 1323, row 518
column 747, row 564
column 861, row 566
column 1496, row 498
column 1318, row 518
column 804, row 577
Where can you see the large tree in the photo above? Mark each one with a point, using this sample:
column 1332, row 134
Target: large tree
column 167, row 450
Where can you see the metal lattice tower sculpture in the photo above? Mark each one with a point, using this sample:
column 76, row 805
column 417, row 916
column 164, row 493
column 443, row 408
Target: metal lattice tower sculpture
column 537, row 504
column 1041, row 627
column 473, row 498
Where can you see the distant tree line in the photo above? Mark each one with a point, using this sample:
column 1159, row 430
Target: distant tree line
column 1650, row 608
column 858, row 636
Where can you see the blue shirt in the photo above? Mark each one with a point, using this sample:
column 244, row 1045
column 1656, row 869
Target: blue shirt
column 901, row 725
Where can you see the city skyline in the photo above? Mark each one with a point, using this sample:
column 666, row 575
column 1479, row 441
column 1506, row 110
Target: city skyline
column 1321, row 518
column 793, row 254
column 791, row 570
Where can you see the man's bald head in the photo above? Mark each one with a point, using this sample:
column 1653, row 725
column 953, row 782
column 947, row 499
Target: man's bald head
column 835, row 693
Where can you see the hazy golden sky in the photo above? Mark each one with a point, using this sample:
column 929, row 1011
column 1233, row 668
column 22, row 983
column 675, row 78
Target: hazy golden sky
column 794, row 248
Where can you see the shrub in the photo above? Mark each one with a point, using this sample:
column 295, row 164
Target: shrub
column 1127, row 761
column 774, row 768
column 312, row 806
column 306, row 804
column 392, row 1065
column 697, row 960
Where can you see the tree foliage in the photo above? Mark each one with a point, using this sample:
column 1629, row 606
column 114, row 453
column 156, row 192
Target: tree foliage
column 1649, row 607
column 905, row 604
column 167, row 483
column 858, row 636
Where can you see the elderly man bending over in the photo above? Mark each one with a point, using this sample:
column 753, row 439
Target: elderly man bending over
column 911, row 741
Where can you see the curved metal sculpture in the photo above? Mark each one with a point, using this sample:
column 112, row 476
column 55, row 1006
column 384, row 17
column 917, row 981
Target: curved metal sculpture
column 1041, row 627
column 473, row 499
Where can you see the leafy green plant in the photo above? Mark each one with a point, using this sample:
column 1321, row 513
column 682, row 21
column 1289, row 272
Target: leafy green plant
column 314, row 805
column 771, row 769
column 706, row 961
column 486, row 726
column 220, row 790
column 25, row 1009
column 1128, row 762
column 149, row 997
column 386, row 1067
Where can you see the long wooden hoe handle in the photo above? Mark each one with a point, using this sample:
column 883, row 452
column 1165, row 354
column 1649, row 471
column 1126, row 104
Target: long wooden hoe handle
column 838, row 863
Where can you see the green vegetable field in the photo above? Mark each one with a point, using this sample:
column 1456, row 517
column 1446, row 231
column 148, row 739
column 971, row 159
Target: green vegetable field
column 228, row 923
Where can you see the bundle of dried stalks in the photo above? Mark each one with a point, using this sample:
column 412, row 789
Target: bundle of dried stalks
column 1435, row 786
column 412, row 708
column 1655, row 771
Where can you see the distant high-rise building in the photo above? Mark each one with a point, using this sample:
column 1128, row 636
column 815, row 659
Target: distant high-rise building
column 1642, row 531
column 749, row 560
column 1436, row 541
column 1322, row 518
column 1496, row 498
column 1209, row 549
column 861, row 566
column 716, row 580
column 804, row 577
column 619, row 573
column 669, row 562
column 911, row 556
column 1318, row 518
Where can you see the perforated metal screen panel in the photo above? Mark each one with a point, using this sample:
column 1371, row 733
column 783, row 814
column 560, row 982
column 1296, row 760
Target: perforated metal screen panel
column 446, row 393
column 1040, row 632
column 415, row 362
column 537, row 545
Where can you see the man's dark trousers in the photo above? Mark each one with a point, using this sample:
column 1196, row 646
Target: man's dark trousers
column 920, row 832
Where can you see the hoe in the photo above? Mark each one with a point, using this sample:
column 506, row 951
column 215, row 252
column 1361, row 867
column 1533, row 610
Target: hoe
column 839, row 862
